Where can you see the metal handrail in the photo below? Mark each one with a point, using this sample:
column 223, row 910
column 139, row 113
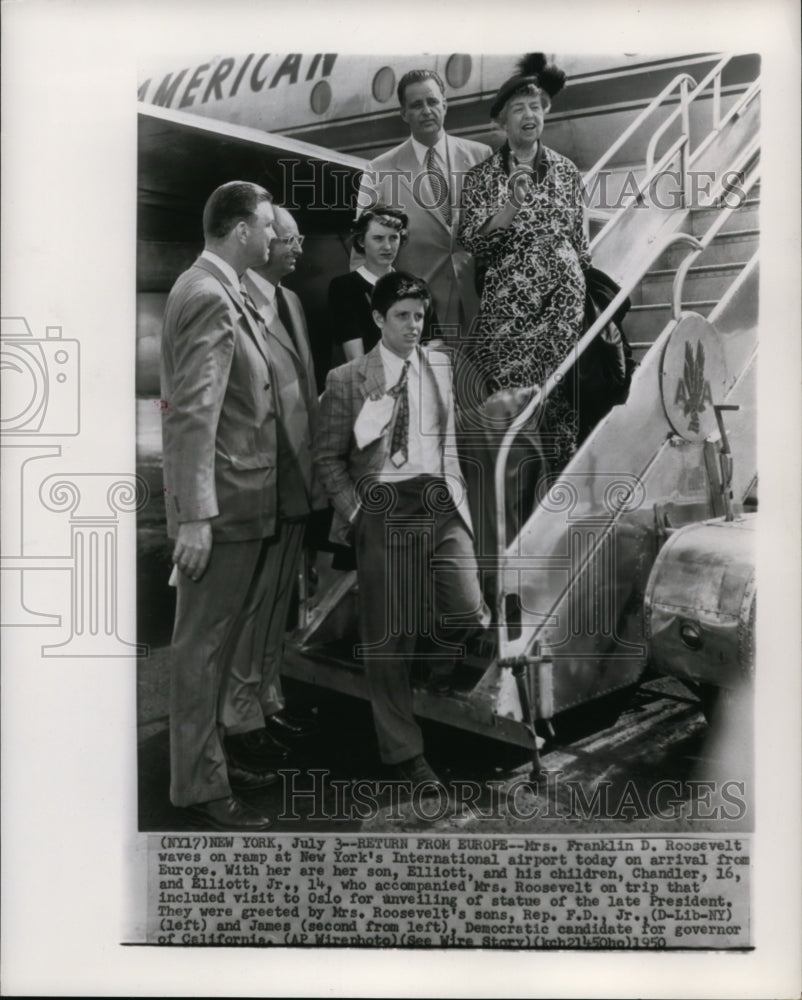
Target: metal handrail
column 540, row 395
column 688, row 261
column 737, row 109
column 666, row 158
column 715, row 76
column 635, row 125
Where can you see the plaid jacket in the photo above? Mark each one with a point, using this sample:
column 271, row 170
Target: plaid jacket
column 341, row 464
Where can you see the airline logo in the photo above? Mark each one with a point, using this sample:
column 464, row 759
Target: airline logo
column 227, row 77
column 693, row 376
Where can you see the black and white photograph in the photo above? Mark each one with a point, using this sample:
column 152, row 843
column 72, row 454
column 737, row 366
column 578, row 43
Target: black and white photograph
column 401, row 521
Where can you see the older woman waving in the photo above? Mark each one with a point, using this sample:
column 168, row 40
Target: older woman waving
column 522, row 214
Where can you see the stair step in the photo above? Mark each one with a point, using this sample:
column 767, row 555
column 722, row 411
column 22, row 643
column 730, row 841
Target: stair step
column 704, row 282
column 727, row 248
column 746, row 217
column 647, row 322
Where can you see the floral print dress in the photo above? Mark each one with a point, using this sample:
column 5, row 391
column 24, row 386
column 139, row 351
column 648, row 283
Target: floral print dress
column 533, row 300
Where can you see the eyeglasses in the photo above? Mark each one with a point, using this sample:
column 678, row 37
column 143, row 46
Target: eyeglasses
column 291, row 241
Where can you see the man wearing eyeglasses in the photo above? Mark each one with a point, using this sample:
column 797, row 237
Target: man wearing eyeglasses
column 296, row 402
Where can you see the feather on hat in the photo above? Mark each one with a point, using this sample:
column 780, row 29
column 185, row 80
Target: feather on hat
column 532, row 68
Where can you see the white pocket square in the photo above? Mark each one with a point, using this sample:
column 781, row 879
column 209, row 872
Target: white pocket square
column 373, row 419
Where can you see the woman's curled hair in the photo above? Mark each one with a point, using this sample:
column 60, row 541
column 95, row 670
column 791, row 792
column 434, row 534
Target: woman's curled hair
column 384, row 215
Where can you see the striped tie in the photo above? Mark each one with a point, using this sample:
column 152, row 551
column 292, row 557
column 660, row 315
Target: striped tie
column 439, row 185
column 250, row 305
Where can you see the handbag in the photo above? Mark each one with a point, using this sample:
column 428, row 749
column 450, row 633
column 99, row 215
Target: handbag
column 603, row 375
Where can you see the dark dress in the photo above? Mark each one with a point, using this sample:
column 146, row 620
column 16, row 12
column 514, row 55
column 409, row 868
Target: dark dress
column 351, row 316
column 533, row 298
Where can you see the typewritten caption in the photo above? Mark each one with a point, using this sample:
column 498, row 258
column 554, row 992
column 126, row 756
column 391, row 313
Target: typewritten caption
column 446, row 892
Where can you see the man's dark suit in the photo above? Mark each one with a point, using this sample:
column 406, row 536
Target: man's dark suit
column 222, row 440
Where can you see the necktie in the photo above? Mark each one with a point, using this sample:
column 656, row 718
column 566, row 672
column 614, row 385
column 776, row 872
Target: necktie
column 284, row 314
column 250, row 305
column 439, row 186
column 399, row 446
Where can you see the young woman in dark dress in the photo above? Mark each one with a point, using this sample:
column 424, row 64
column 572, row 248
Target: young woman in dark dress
column 378, row 235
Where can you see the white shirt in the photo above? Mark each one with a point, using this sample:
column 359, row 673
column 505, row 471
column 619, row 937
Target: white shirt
column 224, row 266
column 424, row 452
column 440, row 152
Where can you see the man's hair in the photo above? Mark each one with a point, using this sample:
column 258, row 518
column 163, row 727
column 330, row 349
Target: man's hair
column 418, row 76
column 229, row 204
column 394, row 287
column 283, row 220
column 384, row 216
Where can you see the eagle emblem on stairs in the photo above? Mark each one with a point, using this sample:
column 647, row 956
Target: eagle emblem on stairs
column 693, row 390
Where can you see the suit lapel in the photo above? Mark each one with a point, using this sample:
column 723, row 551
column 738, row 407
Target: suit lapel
column 407, row 160
column 459, row 164
column 290, row 321
column 442, row 380
column 373, row 373
column 254, row 329
column 275, row 327
column 459, row 161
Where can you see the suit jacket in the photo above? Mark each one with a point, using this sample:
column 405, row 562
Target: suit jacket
column 341, row 464
column 218, row 409
column 432, row 251
column 296, row 392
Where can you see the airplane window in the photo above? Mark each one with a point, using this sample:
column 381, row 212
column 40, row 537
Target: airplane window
column 320, row 98
column 458, row 69
column 384, row 84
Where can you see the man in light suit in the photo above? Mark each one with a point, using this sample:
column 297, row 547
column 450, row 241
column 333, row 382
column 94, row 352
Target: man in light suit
column 423, row 177
column 385, row 453
column 220, row 441
column 299, row 492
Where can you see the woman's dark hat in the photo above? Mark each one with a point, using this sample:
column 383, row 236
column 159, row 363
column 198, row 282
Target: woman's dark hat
column 532, row 68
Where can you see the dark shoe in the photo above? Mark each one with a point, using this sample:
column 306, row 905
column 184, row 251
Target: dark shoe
column 228, row 814
column 243, row 779
column 417, row 771
column 257, row 750
column 286, row 726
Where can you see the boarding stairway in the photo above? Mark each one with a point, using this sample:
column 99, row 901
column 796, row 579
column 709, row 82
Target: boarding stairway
column 570, row 585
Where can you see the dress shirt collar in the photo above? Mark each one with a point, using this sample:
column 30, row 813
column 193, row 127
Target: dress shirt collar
column 440, row 148
column 223, row 265
column 393, row 364
column 267, row 288
column 369, row 276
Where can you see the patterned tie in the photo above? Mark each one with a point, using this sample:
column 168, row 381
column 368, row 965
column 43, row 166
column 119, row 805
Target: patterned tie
column 439, row 185
column 399, row 446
